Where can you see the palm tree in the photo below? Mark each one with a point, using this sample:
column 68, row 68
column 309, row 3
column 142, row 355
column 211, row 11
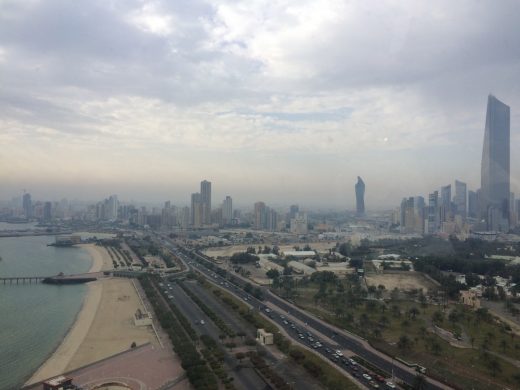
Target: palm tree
column 419, row 382
column 412, row 313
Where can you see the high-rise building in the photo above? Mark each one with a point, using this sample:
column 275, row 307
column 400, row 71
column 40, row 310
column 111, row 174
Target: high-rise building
column 460, row 198
column 517, row 209
column 111, row 207
column 495, row 179
column 260, row 215
column 433, row 212
column 205, row 193
column 445, row 207
column 360, row 197
column 27, row 205
column 47, row 211
column 299, row 224
column 293, row 210
column 473, row 208
column 196, row 211
column 227, row 210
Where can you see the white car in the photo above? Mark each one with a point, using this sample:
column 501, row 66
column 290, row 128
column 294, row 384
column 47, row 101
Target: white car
column 367, row 377
column 202, row 322
column 390, row 385
column 339, row 353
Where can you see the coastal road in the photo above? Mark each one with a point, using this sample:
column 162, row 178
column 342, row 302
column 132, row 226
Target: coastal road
column 345, row 340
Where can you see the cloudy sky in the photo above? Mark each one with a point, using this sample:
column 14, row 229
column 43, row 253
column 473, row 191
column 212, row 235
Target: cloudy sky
column 281, row 101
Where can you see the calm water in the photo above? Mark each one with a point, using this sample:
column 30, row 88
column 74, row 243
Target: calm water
column 35, row 318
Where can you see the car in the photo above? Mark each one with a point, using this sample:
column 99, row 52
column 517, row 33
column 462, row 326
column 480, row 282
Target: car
column 367, row 377
column 285, row 322
column 339, row 353
column 310, row 339
column 282, row 317
column 293, row 326
column 379, row 378
column 202, row 322
column 390, row 385
column 267, row 310
column 352, row 361
column 373, row 384
column 301, row 336
column 356, row 374
column 327, row 350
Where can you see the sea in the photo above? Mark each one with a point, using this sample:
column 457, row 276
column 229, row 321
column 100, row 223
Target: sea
column 34, row 318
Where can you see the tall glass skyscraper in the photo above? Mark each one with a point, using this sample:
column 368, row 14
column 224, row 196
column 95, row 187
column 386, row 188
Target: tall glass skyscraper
column 495, row 181
column 360, row 197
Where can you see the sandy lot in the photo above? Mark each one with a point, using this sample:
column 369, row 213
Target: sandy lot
column 403, row 281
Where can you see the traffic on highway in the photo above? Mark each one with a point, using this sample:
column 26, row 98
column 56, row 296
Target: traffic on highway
column 305, row 329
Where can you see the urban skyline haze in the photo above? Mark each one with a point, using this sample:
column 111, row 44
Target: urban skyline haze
column 282, row 103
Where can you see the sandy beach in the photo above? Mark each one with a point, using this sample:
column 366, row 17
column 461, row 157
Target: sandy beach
column 103, row 327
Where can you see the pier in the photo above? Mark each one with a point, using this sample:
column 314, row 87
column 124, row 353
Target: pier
column 23, row 279
column 55, row 279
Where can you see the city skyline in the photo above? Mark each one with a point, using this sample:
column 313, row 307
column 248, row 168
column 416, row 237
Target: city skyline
column 167, row 93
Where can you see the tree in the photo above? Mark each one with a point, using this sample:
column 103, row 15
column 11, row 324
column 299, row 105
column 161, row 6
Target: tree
column 437, row 317
column 404, row 343
column 240, row 356
column 494, row 366
column 412, row 313
column 272, row 273
column 419, row 382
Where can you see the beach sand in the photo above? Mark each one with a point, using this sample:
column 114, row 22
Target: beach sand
column 113, row 329
column 104, row 326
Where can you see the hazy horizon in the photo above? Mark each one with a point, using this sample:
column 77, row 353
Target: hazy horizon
column 279, row 102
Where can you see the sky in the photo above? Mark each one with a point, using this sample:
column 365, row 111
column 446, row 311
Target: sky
column 281, row 101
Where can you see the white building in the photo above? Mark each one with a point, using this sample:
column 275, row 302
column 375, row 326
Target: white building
column 299, row 224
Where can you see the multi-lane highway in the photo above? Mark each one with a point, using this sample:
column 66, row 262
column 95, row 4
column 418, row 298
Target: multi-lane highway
column 283, row 311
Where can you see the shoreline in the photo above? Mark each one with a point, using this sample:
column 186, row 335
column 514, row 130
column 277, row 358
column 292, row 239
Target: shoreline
column 61, row 357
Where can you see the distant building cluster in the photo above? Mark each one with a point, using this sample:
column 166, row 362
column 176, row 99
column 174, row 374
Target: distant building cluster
column 492, row 208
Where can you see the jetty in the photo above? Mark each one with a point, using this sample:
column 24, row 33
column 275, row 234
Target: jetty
column 55, row 279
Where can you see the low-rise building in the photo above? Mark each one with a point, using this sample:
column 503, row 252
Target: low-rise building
column 301, row 268
column 142, row 318
column 470, row 298
column 263, row 337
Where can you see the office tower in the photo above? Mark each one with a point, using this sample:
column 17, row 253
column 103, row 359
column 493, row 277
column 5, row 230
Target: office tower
column 47, row 211
column 512, row 214
column 111, row 207
column 299, row 224
column 196, row 216
column 205, row 193
column 293, row 210
column 517, row 209
column 271, row 219
column 433, row 212
column 419, row 207
column 445, row 207
column 495, row 180
column 27, row 205
column 360, row 197
column 260, row 215
column 227, row 210
column 473, row 208
column 184, row 217
column 460, row 198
